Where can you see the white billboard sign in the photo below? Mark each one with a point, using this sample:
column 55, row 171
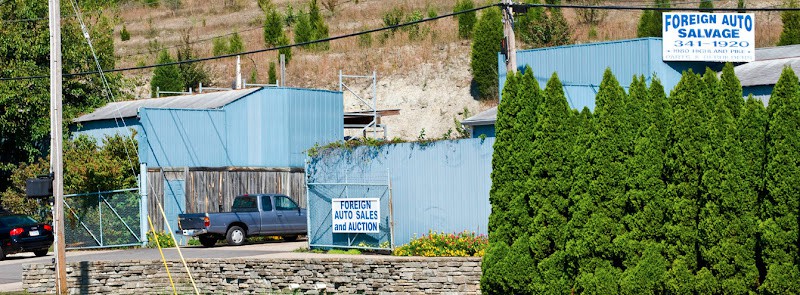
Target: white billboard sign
column 356, row 215
column 724, row 37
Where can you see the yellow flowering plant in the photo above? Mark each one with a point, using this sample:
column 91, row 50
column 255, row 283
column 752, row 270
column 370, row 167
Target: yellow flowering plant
column 436, row 244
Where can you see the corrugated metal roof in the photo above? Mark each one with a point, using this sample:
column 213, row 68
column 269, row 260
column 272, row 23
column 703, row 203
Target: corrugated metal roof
column 765, row 72
column 486, row 117
column 778, row 52
column 130, row 108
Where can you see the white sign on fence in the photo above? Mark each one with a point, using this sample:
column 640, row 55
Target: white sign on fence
column 356, row 215
column 725, row 37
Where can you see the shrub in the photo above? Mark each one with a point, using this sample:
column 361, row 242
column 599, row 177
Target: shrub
column 236, row 44
column 271, row 74
column 164, row 240
column 791, row 25
column 124, row 35
column 219, row 46
column 436, row 244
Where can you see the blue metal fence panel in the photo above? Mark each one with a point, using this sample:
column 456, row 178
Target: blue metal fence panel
column 101, row 129
column 275, row 126
column 180, row 137
column 442, row 186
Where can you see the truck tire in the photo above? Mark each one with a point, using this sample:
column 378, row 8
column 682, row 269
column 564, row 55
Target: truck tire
column 40, row 252
column 207, row 240
column 236, row 236
column 289, row 238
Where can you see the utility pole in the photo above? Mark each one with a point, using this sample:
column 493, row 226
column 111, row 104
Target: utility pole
column 56, row 144
column 508, row 34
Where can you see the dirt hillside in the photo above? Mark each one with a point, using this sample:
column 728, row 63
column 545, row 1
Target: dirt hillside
column 427, row 78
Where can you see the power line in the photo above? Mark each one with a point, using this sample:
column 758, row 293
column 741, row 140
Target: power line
column 615, row 7
column 261, row 50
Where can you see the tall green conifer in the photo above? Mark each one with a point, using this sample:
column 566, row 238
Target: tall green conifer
column 728, row 220
column 503, row 176
column 752, row 132
column 731, row 90
column 549, row 186
column 688, row 139
column 780, row 217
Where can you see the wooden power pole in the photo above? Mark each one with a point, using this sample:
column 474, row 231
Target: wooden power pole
column 56, row 144
column 508, row 34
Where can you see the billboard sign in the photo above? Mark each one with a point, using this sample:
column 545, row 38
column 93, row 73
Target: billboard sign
column 723, row 37
column 356, row 215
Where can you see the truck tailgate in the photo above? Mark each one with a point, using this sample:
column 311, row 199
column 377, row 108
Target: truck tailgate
column 192, row 220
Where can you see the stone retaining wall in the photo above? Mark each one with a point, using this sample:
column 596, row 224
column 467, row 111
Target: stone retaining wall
column 362, row 274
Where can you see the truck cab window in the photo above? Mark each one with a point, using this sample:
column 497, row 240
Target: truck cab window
column 266, row 203
column 284, row 204
column 245, row 204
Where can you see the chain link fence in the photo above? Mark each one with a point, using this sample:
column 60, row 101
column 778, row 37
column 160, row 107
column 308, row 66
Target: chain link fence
column 349, row 185
column 103, row 219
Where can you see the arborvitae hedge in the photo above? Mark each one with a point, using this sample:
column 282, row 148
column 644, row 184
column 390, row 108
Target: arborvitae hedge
column 695, row 194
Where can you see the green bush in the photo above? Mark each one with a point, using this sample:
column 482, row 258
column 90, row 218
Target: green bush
column 219, row 46
column 236, row 44
column 436, row 244
column 791, row 25
column 163, row 239
column 124, row 35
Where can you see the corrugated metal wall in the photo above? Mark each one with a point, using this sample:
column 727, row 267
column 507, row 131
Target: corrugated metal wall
column 275, row 126
column 103, row 128
column 580, row 67
column 179, row 138
column 442, row 186
column 269, row 128
column 761, row 92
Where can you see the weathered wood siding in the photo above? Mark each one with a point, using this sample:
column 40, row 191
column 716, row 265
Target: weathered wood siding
column 213, row 189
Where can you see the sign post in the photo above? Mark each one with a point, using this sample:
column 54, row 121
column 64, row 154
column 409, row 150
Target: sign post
column 722, row 37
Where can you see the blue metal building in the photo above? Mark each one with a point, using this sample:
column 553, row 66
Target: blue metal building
column 580, row 69
column 200, row 151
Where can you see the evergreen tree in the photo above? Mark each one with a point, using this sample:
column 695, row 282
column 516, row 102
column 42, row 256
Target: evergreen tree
column 741, row 6
column 485, row 46
column 603, row 206
column 780, row 238
column 272, row 75
column 642, row 245
column 791, row 25
column 731, row 91
column 752, row 133
column 191, row 74
column 236, row 44
column 728, row 220
column 687, row 141
column 541, row 27
column 124, row 35
column 302, row 30
column 273, row 27
column 706, row 6
column 549, row 186
column 501, row 229
column 166, row 78
column 650, row 22
column 466, row 21
column 319, row 30
column 511, row 213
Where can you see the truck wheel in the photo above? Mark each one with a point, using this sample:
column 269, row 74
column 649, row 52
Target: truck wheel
column 236, row 236
column 207, row 240
column 290, row 238
column 40, row 252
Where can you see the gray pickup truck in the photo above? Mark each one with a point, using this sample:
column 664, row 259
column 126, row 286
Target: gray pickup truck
column 251, row 215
